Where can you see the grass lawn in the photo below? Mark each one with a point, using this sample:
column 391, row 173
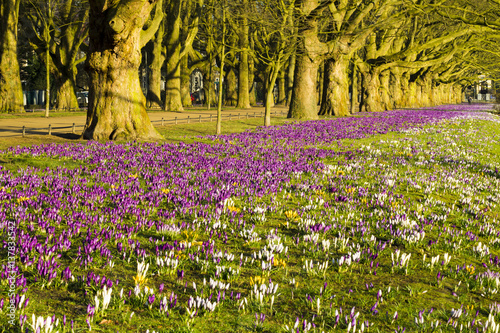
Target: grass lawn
column 387, row 222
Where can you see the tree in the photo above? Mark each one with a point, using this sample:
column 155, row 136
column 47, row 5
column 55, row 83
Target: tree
column 157, row 57
column 57, row 32
column 117, row 106
column 310, row 52
column 349, row 27
column 11, row 92
column 243, row 66
column 272, row 47
column 179, row 39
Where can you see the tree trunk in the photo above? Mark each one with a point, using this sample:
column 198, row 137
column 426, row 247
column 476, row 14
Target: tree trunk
column 209, row 87
column 396, row 83
column 268, row 90
column 270, row 81
column 412, row 95
column 243, row 82
column 335, row 99
column 281, row 88
column 371, row 101
column 231, row 90
column 304, row 104
column 185, row 81
column 385, row 94
column 310, row 50
column 64, row 88
column 173, row 99
column 154, row 72
column 354, row 89
column 11, row 91
column 252, row 97
column 290, row 73
column 117, row 106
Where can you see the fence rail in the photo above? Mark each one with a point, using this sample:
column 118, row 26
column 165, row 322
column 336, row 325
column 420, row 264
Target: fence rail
column 165, row 122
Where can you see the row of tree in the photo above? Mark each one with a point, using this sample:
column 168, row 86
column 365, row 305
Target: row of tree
column 343, row 56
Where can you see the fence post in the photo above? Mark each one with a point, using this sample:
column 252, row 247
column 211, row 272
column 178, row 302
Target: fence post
column 239, row 116
column 254, row 115
column 229, row 116
column 24, row 131
column 247, row 115
column 199, row 119
column 50, row 129
column 210, row 118
column 176, row 120
column 162, row 121
column 73, row 129
column 188, row 119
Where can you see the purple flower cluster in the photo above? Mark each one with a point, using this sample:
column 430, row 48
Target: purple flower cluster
column 94, row 213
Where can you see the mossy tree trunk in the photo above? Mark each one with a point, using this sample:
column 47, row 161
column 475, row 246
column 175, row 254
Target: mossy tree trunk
column 64, row 87
column 252, row 96
column 154, row 71
column 310, row 51
column 385, row 90
column 281, row 88
column 11, row 91
column 371, row 101
column 354, row 89
column 185, row 81
column 268, row 89
column 231, row 87
column 173, row 98
column 243, row 40
column 396, row 83
column 117, row 106
column 209, row 87
column 290, row 72
column 304, row 103
column 335, row 99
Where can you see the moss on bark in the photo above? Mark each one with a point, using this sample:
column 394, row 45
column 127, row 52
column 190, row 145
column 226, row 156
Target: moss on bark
column 11, row 93
column 117, row 106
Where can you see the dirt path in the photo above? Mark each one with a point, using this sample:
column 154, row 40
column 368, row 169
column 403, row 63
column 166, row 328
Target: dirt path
column 40, row 125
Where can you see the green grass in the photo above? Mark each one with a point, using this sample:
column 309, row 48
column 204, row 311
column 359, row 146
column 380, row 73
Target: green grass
column 41, row 114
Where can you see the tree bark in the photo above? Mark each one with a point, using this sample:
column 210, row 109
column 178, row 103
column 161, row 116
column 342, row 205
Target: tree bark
column 281, row 88
column 64, row 89
column 385, row 95
column 117, row 106
column 252, row 96
column 185, row 81
column 335, row 99
column 209, row 87
column 290, row 73
column 154, row 73
column 231, row 90
column 304, row 102
column 371, row 101
column 396, row 83
column 243, row 82
column 354, row 89
column 268, row 90
column 173, row 99
column 11, row 91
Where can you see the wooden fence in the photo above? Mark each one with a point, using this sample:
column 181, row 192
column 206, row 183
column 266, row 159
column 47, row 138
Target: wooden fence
column 165, row 122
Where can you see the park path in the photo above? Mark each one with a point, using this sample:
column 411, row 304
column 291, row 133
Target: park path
column 40, row 125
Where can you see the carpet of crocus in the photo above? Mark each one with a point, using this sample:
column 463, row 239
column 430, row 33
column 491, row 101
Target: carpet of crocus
column 385, row 222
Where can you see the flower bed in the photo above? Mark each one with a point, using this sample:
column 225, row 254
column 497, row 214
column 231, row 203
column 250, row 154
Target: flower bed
column 387, row 221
